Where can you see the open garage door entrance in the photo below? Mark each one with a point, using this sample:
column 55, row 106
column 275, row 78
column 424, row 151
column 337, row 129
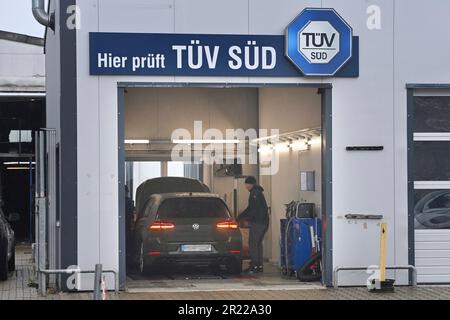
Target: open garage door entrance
column 21, row 115
column 291, row 160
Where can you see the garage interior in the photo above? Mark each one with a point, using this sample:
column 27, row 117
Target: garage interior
column 153, row 113
column 20, row 117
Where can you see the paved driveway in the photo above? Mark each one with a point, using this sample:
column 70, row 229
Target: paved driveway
column 18, row 288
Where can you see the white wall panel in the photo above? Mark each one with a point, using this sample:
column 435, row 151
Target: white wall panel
column 363, row 182
column 272, row 17
column 140, row 16
column 88, row 160
column 211, row 16
column 287, row 109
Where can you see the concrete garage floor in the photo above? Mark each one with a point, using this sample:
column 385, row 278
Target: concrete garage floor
column 242, row 288
column 191, row 279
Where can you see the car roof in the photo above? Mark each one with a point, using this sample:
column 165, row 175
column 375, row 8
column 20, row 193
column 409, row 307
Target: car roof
column 174, row 195
column 166, row 185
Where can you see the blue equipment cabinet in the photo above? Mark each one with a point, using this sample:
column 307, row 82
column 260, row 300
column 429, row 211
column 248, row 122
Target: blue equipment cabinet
column 297, row 245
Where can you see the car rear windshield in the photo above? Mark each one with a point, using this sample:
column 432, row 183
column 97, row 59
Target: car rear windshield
column 192, row 208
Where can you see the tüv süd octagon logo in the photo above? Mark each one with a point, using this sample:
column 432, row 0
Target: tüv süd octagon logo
column 319, row 42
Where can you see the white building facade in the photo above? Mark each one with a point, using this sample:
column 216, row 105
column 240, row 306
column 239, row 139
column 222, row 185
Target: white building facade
column 377, row 97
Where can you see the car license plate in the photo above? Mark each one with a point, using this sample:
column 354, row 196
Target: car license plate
column 196, row 248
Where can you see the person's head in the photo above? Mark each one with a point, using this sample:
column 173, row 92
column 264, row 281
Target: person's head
column 250, row 182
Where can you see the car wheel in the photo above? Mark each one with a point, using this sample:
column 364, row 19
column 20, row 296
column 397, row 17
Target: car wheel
column 143, row 267
column 12, row 261
column 235, row 267
column 3, row 261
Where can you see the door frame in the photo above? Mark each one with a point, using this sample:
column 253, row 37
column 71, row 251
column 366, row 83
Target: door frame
column 325, row 89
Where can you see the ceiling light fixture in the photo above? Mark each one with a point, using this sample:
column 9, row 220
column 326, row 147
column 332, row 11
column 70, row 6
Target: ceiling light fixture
column 137, row 141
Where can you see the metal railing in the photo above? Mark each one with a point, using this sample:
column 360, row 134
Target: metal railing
column 412, row 269
column 46, row 222
column 47, row 234
column 98, row 272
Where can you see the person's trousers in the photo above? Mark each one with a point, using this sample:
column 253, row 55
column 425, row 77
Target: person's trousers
column 255, row 243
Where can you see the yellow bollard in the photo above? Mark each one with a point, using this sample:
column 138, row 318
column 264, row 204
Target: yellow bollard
column 383, row 238
column 382, row 284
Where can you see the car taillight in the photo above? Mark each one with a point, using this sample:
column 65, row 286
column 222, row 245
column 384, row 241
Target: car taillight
column 229, row 224
column 161, row 226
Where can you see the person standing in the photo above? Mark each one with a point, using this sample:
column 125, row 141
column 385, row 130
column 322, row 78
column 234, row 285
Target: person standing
column 257, row 215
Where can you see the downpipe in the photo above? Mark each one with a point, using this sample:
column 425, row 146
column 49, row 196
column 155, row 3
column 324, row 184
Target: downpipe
column 41, row 15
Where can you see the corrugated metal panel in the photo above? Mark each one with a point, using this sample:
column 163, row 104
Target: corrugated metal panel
column 430, row 236
column 433, row 256
column 433, row 261
column 22, row 67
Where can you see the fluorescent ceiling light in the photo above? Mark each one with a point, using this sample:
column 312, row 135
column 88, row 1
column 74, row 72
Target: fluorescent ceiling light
column 17, row 163
column 137, row 141
column 300, row 145
column 265, row 149
column 19, row 168
column 200, row 141
column 281, row 146
column 23, row 94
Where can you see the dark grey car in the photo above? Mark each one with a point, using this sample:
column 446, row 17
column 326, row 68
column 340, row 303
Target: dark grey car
column 187, row 228
column 7, row 247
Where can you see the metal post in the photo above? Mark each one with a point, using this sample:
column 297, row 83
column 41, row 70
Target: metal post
column 97, row 282
column 50, row 194
column 30, row 199
column 42, row 218
column 36, row 196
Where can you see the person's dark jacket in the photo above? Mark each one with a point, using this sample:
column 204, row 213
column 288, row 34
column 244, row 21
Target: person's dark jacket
column 257, row 210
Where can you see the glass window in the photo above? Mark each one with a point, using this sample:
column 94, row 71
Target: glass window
column 432, row 114
column 192, row 208
column 144, row 170
column 175, row 169
column 432, row 161
column 16, row 136
column 432, row 209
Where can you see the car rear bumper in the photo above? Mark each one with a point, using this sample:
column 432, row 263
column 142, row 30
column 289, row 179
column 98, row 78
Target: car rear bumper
column 193, row 258
column 222, row 253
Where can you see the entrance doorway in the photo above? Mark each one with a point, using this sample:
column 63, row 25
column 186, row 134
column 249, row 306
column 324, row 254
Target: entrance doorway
column 151, row 113
column 21, row 115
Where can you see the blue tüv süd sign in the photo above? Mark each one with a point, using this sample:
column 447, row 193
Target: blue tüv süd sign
column 188, row 55
column 319, row 42
column 227, row 55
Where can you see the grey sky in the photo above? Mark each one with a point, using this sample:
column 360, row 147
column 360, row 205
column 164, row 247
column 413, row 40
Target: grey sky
column 16, row 16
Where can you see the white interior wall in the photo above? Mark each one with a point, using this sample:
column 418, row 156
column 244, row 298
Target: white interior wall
column 153, row 113
column 289, row 109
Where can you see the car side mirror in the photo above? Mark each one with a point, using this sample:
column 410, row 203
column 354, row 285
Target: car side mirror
column 13, row 217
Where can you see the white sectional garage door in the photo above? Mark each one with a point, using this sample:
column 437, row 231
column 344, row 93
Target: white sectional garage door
column 433, row 256
column 432, row 186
